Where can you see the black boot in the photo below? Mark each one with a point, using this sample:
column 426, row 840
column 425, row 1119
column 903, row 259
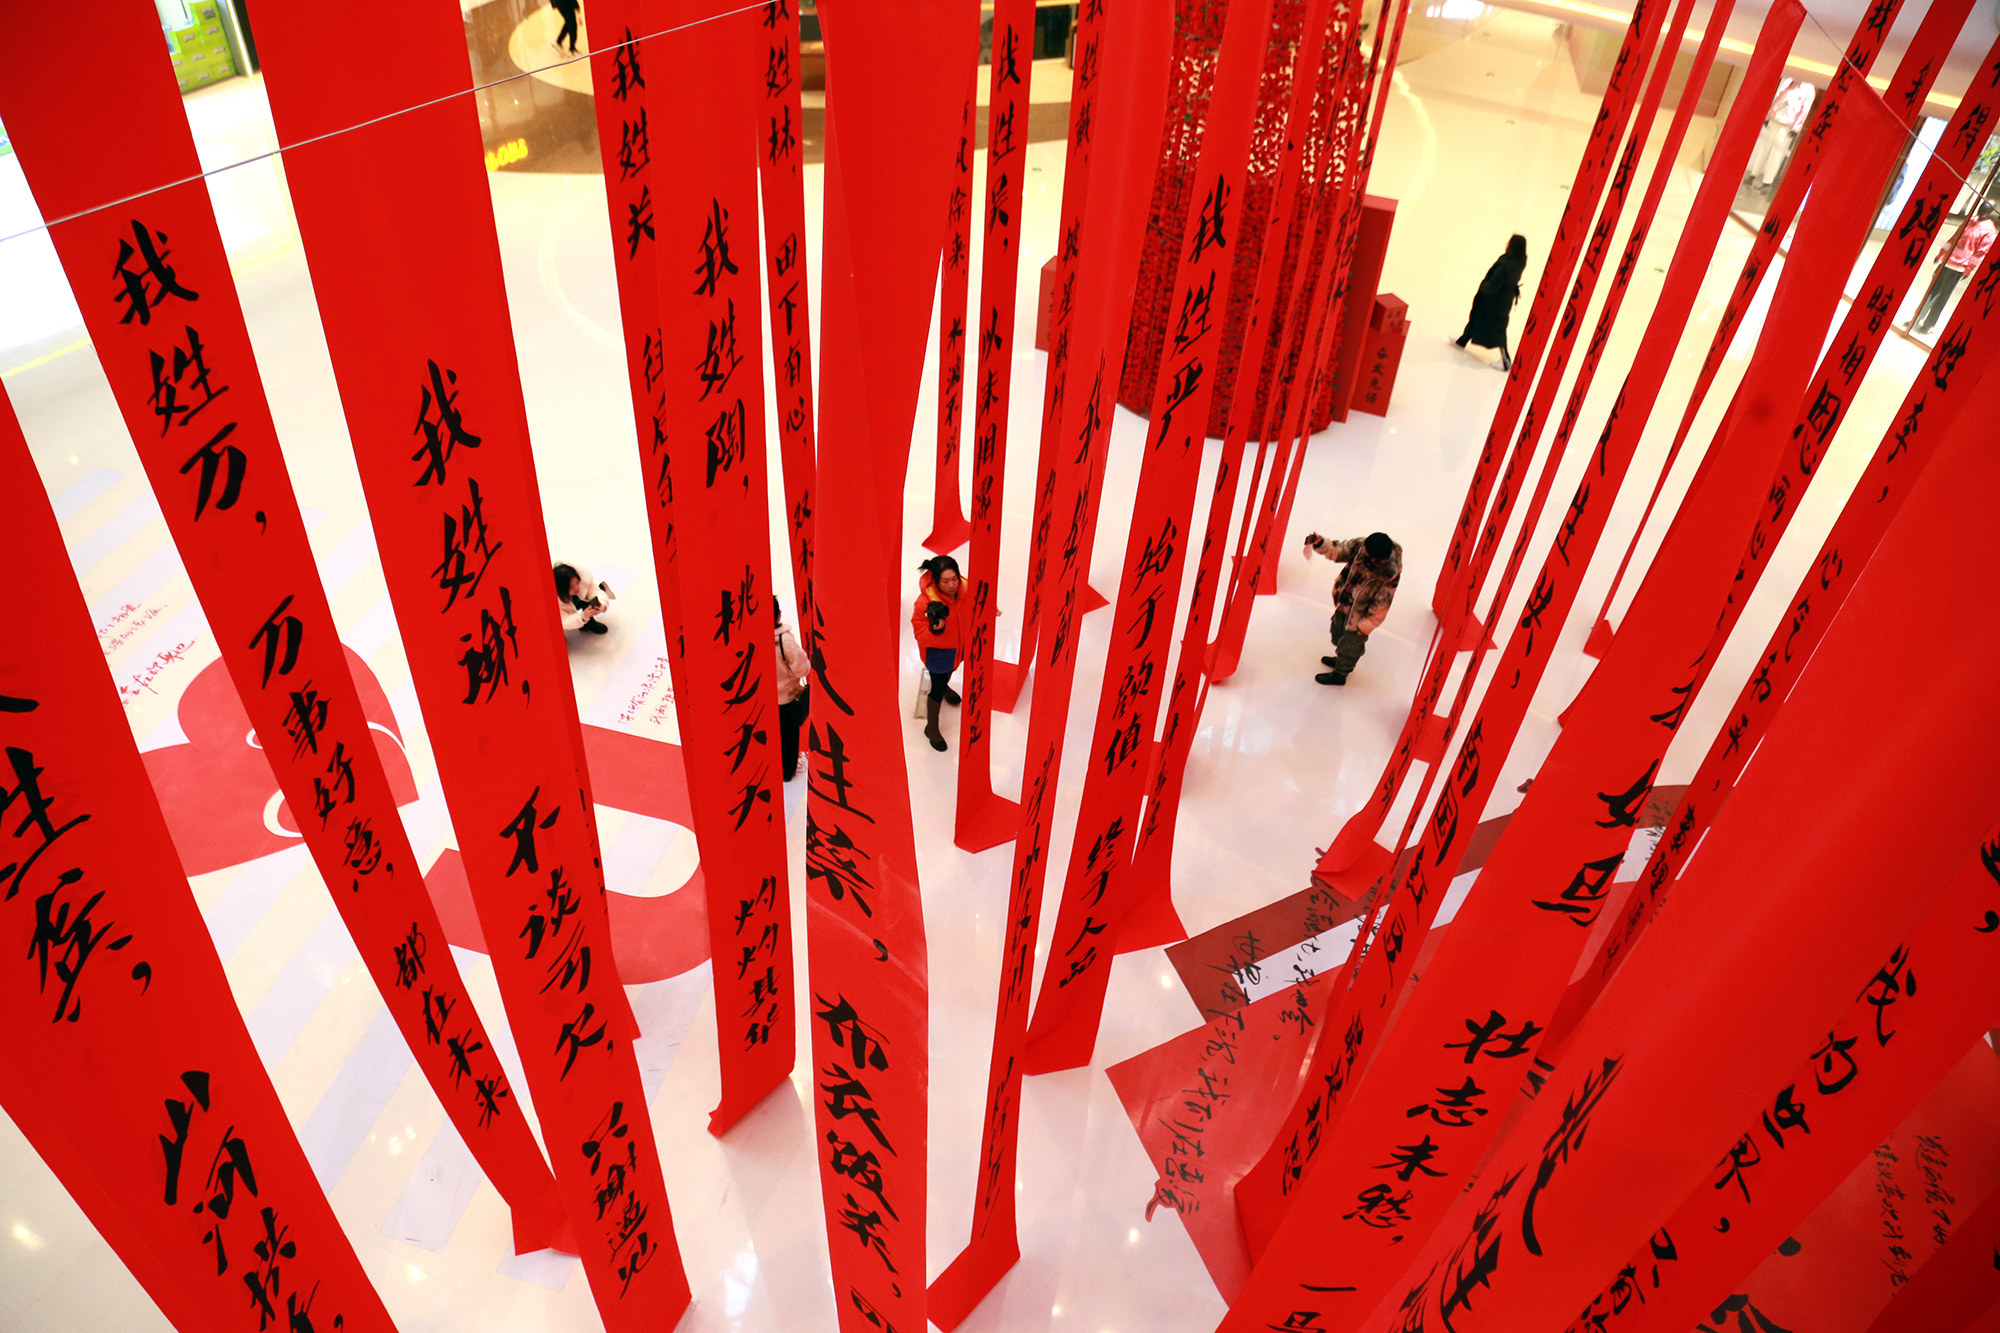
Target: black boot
column 931, row 732
column 951, row 696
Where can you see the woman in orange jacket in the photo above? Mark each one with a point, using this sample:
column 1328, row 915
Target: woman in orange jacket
column 939, row 626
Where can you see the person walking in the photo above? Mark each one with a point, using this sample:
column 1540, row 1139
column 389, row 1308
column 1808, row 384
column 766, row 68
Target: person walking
column 939, row 631
column 568, row 9
column 1499, row 291
column 793, row 699
column 1361, row 595
column 582, row 598
column 1966, row 255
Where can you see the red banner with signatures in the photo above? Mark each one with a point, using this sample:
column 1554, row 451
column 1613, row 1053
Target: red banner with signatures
column 156, row 1112
column 983, row 819
column 1783, row 917
column 1268, row 1191
column 1097, row 886
column 433, row 405
column 949, row 527
column 169, row 332
column 728, row 700
column 897, row 76
column 779, row 136
column 1931, row 999
column 1133, row 74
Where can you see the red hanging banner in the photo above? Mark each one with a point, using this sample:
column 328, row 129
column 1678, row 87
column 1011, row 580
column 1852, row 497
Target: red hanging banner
column 983, row 819
column 433, row 405
column 1800, row 169
column 1785, row 917
column 1897, row 1041
column 122, row 1028
column 781, row 179
column 1266, row 1192
column 1133, row 76
column 1096, row 889
column 1941, row 392
column 1958, row 1281
column 713, row 385
column 949, row 527
column 1152, row 919
column 1075, row 192
column 892, row 80
column 170, row 335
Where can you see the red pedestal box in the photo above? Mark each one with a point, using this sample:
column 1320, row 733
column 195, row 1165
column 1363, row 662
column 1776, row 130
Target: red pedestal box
column 1045, row 304
column 1371, row 246
column 1381, row 354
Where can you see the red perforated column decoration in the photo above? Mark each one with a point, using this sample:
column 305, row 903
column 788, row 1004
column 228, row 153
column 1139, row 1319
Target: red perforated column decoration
column 433, row 405
column 895, row 83
column 169, row 331
column 704, row 258
column 121, row 1027
column 984, row 820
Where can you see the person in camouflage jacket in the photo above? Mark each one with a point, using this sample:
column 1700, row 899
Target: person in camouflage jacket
column 1361, row 595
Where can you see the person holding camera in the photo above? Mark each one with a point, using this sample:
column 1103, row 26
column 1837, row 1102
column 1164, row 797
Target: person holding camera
column 937, row 623
column 582, row 599
column 1361, row 595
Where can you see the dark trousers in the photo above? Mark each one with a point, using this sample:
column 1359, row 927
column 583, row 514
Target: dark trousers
column 568, row 32
column 791, row 718
column 1348, row 644
column 1936, row 299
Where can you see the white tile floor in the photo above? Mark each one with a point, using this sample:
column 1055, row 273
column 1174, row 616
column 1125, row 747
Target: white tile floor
column 1483, row 134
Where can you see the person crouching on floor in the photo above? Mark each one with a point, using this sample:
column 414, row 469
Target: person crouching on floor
column 936, row 622
column 582, row 599
column 1361, row 595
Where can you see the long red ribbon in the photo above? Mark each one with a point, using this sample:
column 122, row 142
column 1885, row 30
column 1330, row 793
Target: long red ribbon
column 983, row 819
column 728, row 702
column 949, row 527
column 122, row 1030
column 177, row 354
column 433, row 404
column 888, row 158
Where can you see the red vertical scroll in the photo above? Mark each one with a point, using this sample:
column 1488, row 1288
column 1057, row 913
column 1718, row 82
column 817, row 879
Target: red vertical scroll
column 1782, row 917
column 892, row 80
column 1075, row 191
column 624, row 143
column 169, row 332
column 1096, row 888
column 1956, row 1284
column 433, row 405
column 983, row 819
column 781, row 178
column 712, row 377
column 1272, row 1187
column 1111, row 232
column 121, row 1026
column 949, row 527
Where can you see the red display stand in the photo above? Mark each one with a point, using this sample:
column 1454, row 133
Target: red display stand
column 1382, row 354
column 1371, row 247
column 1045, row 304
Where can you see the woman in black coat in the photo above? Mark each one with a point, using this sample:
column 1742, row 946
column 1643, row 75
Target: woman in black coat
column 1498, row 292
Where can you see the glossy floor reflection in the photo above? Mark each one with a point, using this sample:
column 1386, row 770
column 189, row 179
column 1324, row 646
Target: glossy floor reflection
column 1484, row 131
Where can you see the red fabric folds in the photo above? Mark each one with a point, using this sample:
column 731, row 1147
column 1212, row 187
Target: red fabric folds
column 1782, row 917
column 1133, row 73
column 711, row 378
column 433, row 405
column 984, row 819
column 143, row 1088
column 892, row 81
column 1097, row 890
column 1267, row 1192
column 185, row 378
